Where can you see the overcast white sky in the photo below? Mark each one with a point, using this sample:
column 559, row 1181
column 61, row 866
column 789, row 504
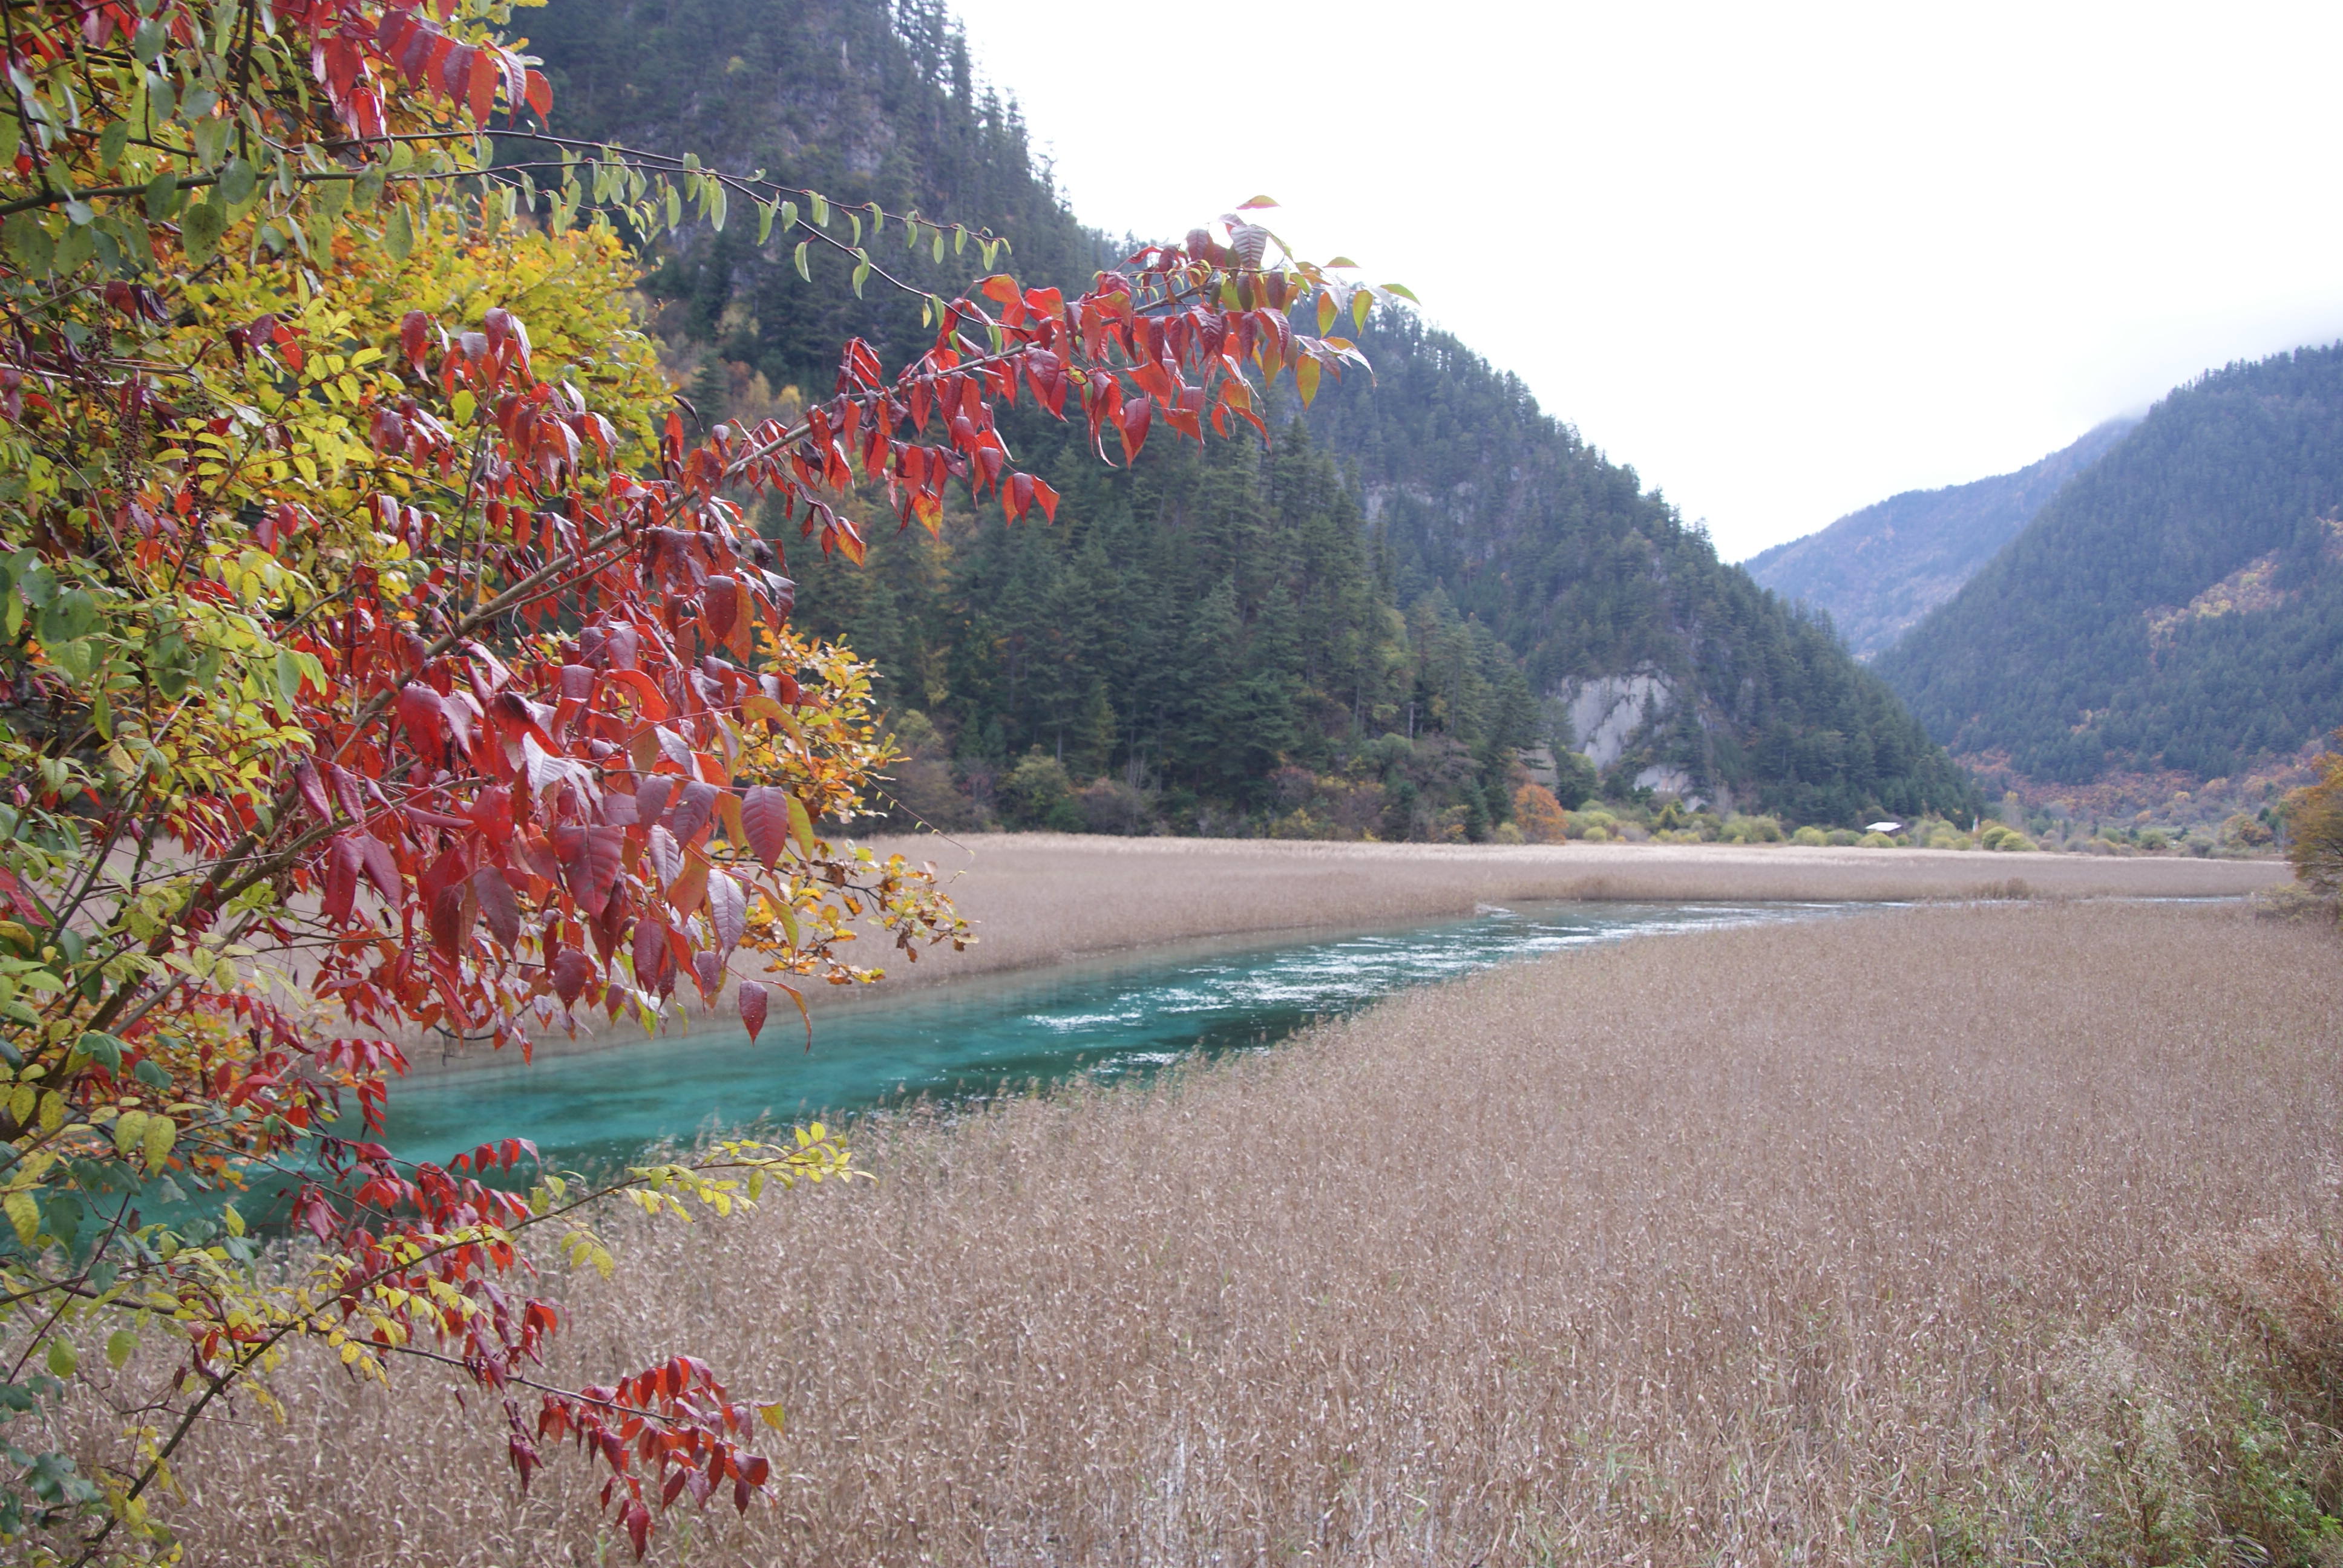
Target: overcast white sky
column 1785, row 260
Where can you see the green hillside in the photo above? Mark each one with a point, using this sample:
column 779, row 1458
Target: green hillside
column 1506, row 513
column 2178, row 606
column 1353, row 630
column 1875, row 572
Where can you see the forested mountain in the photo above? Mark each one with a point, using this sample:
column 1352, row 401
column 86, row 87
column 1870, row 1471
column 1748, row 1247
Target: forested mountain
column 861, row 99
column 1353, row 628
column 2178, row 606
column 1878, row 571
column 1510, row 517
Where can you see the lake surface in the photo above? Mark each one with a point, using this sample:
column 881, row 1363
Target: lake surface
column 972, row 1040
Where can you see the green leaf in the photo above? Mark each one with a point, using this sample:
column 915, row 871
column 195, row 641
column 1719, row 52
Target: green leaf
column 788, row 215
column 718, row 204
column 200, row 228
column 72, row 614
column 111, row 143
column 1403, row 290
column 938, row 249
column 61, row 1358
column 289, row 676
column 29, row 243
column 118, row 1346
column 163, row 196
column 236, row 182
column 398, row 235
column 764, row 222
column 803, row 271
column 861, row 269
column 959, row 239
column 990, row 248
column 820, row 204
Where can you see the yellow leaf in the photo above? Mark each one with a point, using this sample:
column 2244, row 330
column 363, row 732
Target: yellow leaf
column 770, row 1415
column 24, row 1214
column 161, row 1133
column 130, row 1133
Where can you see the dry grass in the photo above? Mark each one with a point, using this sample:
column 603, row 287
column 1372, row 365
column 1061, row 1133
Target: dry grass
column 1943, row 1235
column 1043, row 898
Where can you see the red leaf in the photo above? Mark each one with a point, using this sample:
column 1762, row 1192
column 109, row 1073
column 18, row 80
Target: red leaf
column 312, row 789
column 414, row 334
column 420, row 712
column 570, row 967
column 540, row 94
column 719, row 603
column 343, row 862
column 1132, row 425
column 753, row 1003
column 765, row 815
column 665, row 856
column 499, row 907
column 589, row 862
column 707, row 968
column 381, row 867
column 654, row 959
column 728, row 910
column 646, row 691
column 692, row 813
column 346, row 790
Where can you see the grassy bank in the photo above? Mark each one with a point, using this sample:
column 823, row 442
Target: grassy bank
column 1959, row 1235
column 1043, row 898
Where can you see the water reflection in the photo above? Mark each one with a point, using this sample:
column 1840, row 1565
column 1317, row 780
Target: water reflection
column 976, row 1038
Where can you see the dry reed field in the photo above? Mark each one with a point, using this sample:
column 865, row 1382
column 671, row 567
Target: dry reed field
column 1988, row 1234
column 1043, row 898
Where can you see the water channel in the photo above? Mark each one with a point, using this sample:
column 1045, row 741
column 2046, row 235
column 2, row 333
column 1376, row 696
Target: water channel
column 974, row 1039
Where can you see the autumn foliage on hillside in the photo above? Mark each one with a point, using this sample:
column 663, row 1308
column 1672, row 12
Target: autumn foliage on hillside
column 384, row 654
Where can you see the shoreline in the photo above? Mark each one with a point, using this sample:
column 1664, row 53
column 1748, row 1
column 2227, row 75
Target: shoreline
column 1044, row 902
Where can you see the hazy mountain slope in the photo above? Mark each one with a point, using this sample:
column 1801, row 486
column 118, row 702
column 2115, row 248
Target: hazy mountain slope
column 2179, row 605
column 1878, row 571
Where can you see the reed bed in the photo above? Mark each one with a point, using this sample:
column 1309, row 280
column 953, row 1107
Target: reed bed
column 1044, row 898
column 1935, row 1235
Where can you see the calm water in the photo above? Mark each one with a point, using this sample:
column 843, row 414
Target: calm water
column 976, row 1038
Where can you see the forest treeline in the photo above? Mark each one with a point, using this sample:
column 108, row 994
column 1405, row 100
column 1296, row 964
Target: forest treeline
column 1357, row 627
column 2178, row 605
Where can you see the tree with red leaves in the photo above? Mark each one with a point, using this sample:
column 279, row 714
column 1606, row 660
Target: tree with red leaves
column 382, row 659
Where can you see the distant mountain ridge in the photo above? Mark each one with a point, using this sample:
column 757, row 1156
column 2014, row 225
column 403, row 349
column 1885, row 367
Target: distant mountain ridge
column 2176, row 609
column 1876, row 572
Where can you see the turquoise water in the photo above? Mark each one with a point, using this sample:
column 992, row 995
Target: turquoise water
column 976, row 1038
